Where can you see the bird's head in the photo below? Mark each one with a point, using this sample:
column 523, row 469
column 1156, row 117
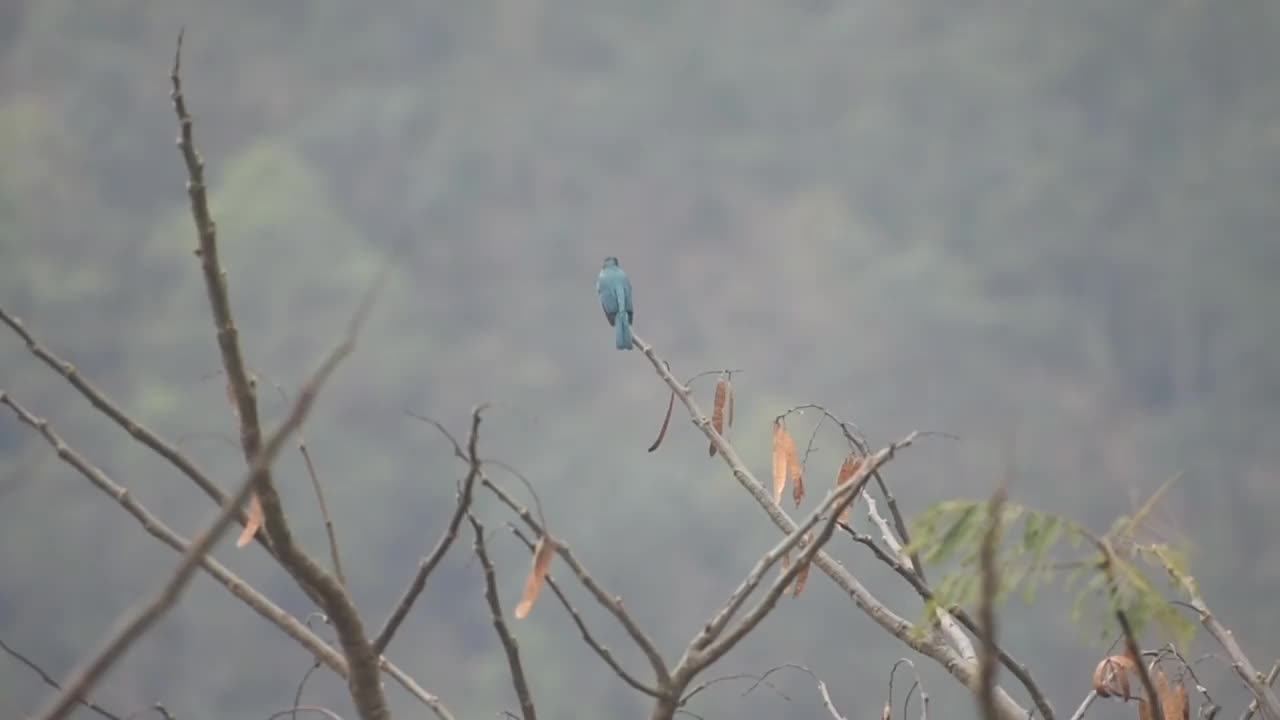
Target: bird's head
column 611, row 261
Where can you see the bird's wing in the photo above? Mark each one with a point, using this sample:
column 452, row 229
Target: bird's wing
column 626, row 292
column 608, row 299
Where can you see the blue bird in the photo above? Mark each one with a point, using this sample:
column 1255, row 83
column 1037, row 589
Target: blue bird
column 614, row 290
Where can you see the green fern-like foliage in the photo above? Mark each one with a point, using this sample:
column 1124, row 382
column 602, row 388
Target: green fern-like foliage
column 1107, row 573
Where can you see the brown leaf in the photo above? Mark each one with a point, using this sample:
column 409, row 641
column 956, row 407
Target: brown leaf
column 1168, row 703
column 1183, row 702
column 666, row 420
column 717, row 410
column 887, row 712
column 797, row 487
column 779, row 460
column 794, row 469
column 542, row 554
column 1144, row 710
column 802, row 575
column 848, row 470
column 254, row 522
column 1111, row 677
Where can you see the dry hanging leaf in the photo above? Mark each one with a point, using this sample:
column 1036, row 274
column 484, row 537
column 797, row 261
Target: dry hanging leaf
column 794, row 469
column 1165, row 693
column 848, row 470
column 1111, row 677
column 887, row 713
column 717, row 410
column 797, row 486
column 779, row 460
column 252, row 524
column 1144, row 710
column 542, row 554
column 666, row 420
column 1182, row 700
column 802, row 575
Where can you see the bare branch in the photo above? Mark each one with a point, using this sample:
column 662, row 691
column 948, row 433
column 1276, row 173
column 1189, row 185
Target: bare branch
column 100, row 401
column 1271, row 680
column 822, row 688
column 145, row 615
column 48, row 680
column 603, row 652
column 987, row 666
column 366, row 690
column 509, row 645
column 1131, row 647
column 963, row 671
column 1260, row 687
column 166, row 535
column 324, row 513
column 841, row 495
column 429, row 563
column 611, row 603
column 697, row 659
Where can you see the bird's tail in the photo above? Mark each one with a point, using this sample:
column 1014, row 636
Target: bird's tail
column 622, row 328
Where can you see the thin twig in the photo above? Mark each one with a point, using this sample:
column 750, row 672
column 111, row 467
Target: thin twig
column 48, row 680
column 305, row 708
column 142, row 617
column 610, row 602
column 509, row 645
column 324, row 513
column 428, row 564
column 302, row 684
column 603, row 652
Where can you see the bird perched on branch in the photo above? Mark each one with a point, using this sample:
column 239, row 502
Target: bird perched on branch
column 614, row 290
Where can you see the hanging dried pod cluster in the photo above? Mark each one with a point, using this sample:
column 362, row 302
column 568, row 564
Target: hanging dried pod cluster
column 724, row 396
column 1112, row 678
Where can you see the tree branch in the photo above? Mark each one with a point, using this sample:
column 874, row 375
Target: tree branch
column 611, row 603
column 1259, row 687
column 145, row 615
column 366, row 690
column 605, row 654
column 509, row 645
column 137, row 430
column 428, row 564
column 963, row 671
column 842, row 496
column 698, row 659
column 324, row 513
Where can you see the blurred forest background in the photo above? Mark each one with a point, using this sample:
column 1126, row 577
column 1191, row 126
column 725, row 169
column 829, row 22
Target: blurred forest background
column 1054, row 222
